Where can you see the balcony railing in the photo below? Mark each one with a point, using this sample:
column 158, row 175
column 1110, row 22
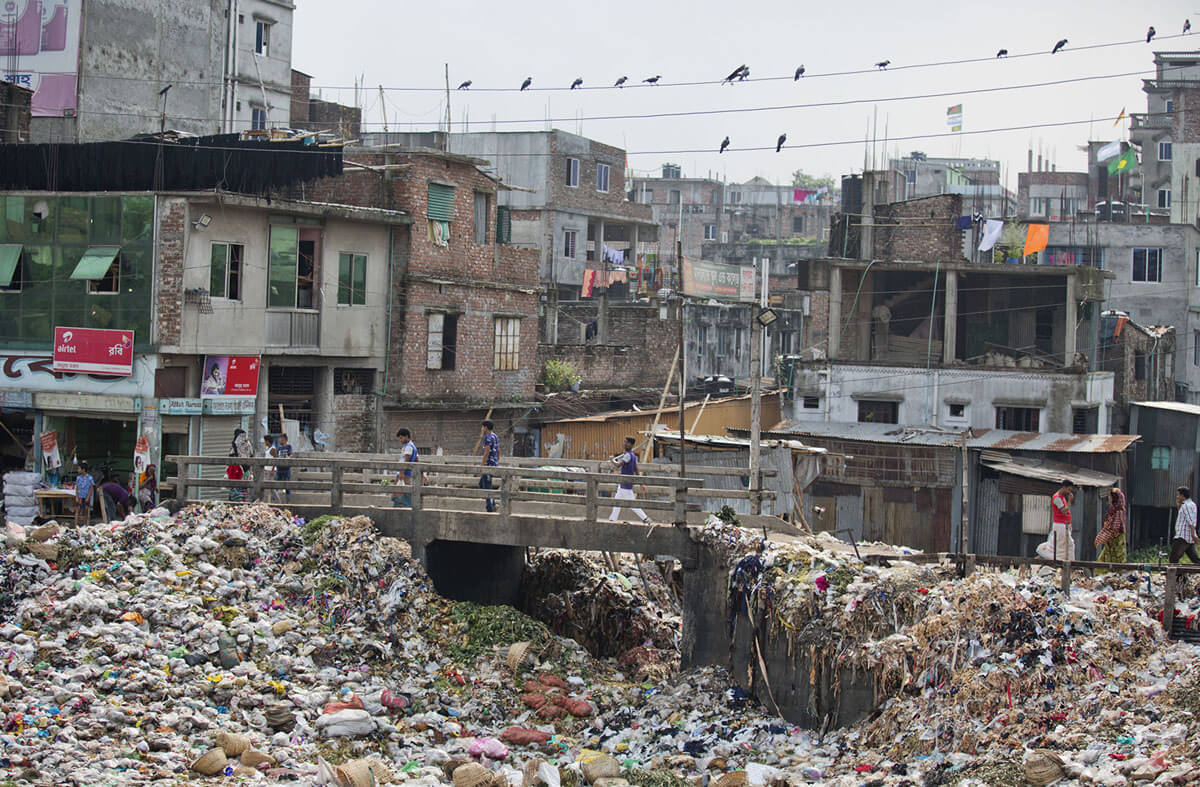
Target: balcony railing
column 293, row 328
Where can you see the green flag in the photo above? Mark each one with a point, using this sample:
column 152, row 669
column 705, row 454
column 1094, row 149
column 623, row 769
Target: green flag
column 1126, row 163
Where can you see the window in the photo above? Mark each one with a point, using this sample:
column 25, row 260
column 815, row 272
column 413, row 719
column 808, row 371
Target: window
column 569, row 243
column 958, row 410
column 797, row 225
column 647, row 196
column 735, row 197
column 503, row 224
column 1170, row 106
column 1160, row 457
column 573, row 172
column 1164, row 151
column 439, row 209
column 1139, row 366
column 225, row 271
column 910, row 176
column 481, row 217
column 441, row 345
column 507, row 352
column 291, row 267
column 873, row 411
column 674, row 196
column 11, row 273
column 811, row 402
column 1164, row 198
column 100, row 266
column 352, row 279
column 258, row 119
column 710, row 231
column 1147, row 265
column 1085, row 420
column 602, row 177
column 1018, row 419
column 353, row 380
column 262, row 38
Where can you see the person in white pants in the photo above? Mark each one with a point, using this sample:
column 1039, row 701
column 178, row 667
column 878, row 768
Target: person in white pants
column 627, row 462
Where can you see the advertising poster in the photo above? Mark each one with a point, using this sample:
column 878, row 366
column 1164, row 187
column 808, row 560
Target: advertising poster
column 39, row 50
column 50, row 456
column 229, row 375
column 93, row 351
column 717, row 280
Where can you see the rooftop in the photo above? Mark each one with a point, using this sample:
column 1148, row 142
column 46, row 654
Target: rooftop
column 980, row 439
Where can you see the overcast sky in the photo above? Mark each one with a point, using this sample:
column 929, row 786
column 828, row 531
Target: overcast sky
column 404, row 44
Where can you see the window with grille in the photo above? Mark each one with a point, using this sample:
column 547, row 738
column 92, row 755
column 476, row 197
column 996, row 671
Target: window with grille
column 258, row 119
column 262, row 38
column 797, row 224
column 1164, row 151
column 1018, row 419
column 507, row 352
column 503, row 224
column 1085, row 420
column 225, row 271
column 710, row 231
column 811, row 402
column 349, row 380
column 569, row 237
column 441, row 344
column 1160, row 457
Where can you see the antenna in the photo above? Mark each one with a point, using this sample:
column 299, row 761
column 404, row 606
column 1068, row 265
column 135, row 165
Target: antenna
column 383, row 106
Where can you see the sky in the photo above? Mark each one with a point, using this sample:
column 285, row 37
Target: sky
column 404, row 46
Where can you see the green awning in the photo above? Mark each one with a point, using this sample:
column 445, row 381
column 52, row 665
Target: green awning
column 95, row 262
column 10, row 255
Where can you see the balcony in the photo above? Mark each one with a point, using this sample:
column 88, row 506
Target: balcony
column 293, row 329
column 1141, row 120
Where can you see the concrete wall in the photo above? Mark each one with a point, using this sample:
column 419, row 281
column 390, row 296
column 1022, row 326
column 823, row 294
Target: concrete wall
column 258, row 74
column 840, row 387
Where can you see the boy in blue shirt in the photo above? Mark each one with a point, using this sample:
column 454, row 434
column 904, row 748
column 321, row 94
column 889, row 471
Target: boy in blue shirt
column 84, row 484
column 408, row 453
column 490, row 457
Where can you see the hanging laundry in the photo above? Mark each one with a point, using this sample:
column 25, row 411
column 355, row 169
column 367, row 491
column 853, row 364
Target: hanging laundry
column 439, row 232
column 991, row 233
column 1036, row 238
column 802, row 195
column 589, row 283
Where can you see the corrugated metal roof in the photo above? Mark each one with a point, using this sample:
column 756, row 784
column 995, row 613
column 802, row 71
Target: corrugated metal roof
column 734, row 442
column 1045, row 471
column 1179, row 407
column 995, row 439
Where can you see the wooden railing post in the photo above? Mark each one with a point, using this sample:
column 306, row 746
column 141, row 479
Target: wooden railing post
column 591, row 501
column 1168, row 616
column 335, row 486
column 681, row 500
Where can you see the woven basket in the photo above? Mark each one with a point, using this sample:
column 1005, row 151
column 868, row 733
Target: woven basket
column 210, row 763
column 472, row 775
column 232, row 743
column 1043, row 767
column 516, row 655
column 733, row 779
column 253, row 758
column 355, row 773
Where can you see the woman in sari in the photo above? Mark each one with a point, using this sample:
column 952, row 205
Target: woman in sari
column 1111, row 538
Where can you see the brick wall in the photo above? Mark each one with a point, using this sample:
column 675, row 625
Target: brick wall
column 354, row 422
column 301, row 86
column 454, row 431
column 172, row 219
column 14, row 112
column 919, row 230
column 638, row 352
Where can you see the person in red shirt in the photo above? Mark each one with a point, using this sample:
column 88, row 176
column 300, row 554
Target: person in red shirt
column 1060, row 545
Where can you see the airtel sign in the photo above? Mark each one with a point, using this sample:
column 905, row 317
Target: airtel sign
column 93, row 351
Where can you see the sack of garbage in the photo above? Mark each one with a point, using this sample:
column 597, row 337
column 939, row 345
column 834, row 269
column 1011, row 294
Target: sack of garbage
column 350, row 723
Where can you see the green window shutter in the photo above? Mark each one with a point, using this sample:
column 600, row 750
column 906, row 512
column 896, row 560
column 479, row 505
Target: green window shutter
column 218, row 263
column 503, row 224
column 281, row 266
column 345, row 262
column 358, row 280
column 10, row 255
column 95, row 262
column 441, row 202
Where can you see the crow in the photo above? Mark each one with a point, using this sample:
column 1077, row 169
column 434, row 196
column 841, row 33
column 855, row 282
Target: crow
column 620, row 82
column 1150, row 31
column 883, row 64
column 653, row 80
column 779, row 142
column 465, row 85
column 1058, row 46
column 1187, row 26
column 1002, row 53
column 745, row 74
column 577, row 83
column 724, row 144
column 737, row 72
column 799, row 73
column 528, row 81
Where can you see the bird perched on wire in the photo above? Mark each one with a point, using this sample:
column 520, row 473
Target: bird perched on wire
column 1150, row 32
column 577, row 83
column 779, row 142
column 465, row 85
column 799, row 73
column 1187, row 26
column 653, row 80
column 883, row 64
column 528, row 81
column 733, row 75
column 1002, row 53
column 621, row 82
column 724, row 144
column 1058, row 46
column 745, row 74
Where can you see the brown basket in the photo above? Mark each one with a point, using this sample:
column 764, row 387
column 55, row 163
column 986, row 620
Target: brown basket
column 232, row 743
column 1043, row 767
column 253, row 758
column 356, row 773
column 516, row 655
column 472, row 775
column 210, row 763
column 733, row 779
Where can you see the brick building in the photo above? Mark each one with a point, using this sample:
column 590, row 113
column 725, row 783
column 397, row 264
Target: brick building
column 462, row 336
column 311, row 113
column 1142, row 360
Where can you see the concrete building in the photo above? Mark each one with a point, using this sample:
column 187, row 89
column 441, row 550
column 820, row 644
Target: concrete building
column 977, row 181
column 122, row 67
column 689, row 211
column 1051, row 196
column 1168, row 135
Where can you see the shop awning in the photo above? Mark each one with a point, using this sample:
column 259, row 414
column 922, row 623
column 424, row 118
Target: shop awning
column 95, row 262
column 10, row 255
column 1053, row 472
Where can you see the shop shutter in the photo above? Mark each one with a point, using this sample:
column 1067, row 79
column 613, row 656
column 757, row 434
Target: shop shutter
column 441, row 202
column 216, row 436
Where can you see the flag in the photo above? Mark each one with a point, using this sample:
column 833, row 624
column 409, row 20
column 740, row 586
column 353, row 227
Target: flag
column 991, row 234
column 1126, row 163
column 1120, row 117
column 954, row 117
column 1036, row 238
column 1108, row 151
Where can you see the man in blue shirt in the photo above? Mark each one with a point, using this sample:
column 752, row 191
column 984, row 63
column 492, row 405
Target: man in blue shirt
column 627, row 461
column 490, row 457
column 408, row 453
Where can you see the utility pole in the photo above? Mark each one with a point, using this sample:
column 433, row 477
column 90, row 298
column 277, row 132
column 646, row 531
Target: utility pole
column 682, row 353
column 755, row 395
column 383, row 106
column 447, row 107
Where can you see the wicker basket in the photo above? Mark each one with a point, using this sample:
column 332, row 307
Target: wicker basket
column 232, row 743
column 356, row 773
column 1042, row 767
column 210, row 763
column 472, row 775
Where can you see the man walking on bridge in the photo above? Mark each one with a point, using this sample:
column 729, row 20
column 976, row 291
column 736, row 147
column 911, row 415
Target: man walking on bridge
column 627, row 461
column 490, row 457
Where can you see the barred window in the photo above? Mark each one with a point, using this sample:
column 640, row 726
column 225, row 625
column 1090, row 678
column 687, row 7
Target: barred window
column 508, row 344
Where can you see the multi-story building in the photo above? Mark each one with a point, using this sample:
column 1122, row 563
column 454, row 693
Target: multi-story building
column 109, row 69
column 689, row 211
column 976, row 180
column 1168, row 134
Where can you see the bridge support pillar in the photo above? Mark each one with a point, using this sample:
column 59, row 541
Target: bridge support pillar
column 705, row 601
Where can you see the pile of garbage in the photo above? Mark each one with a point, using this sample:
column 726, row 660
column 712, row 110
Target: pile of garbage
column 236, row 644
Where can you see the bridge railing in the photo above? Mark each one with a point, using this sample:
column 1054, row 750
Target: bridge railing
column 446, row 481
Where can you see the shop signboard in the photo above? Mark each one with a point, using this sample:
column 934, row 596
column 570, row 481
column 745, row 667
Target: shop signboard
column 703, row 279
column 229, row 376
column 16, row 399
column 39, row 44
column 105, row 403
column 25, row 374
column 93, row 350
column 230, row 405
column 180, row 406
